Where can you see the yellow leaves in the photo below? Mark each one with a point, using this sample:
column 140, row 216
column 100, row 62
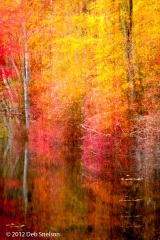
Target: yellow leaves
column 99, row 7
column 46, row 59
column 34, row 39
column 81, row 46
column 86, row 24
column 127, row 86
column 137, row 83
column 10, row 5
column 139, row 5
column 146, row 34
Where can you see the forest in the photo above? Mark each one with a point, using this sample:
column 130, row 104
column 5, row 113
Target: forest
column 78, row 65
column 79, row 90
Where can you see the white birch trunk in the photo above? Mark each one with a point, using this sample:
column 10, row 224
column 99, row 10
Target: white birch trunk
column 25, row 191
column 26, row 76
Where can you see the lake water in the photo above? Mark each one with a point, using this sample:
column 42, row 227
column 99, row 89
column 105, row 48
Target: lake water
column 75, row 194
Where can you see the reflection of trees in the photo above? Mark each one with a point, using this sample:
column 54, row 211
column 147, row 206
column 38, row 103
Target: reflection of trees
column 25, row 173
column 75, row 199
column 132, row 206
column 141, row 201
column 55, row 199
column 147, row 143
column 13, row 171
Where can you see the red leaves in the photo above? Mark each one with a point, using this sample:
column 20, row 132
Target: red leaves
column 12, row 183
column 2, row 55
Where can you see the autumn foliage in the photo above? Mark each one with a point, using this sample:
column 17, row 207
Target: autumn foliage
column 92, row 67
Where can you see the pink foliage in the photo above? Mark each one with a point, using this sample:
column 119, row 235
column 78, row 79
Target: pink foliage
column 97, row 150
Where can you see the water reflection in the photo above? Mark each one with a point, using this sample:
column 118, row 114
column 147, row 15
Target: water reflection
column 11, row 181
column 25, row 193
column 68, row 195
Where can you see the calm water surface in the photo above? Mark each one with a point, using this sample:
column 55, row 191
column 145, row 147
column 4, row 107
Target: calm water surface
column 61, row 191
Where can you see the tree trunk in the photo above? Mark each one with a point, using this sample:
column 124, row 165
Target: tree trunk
column 127, row 24
column 26, row 76
column 129, row 47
